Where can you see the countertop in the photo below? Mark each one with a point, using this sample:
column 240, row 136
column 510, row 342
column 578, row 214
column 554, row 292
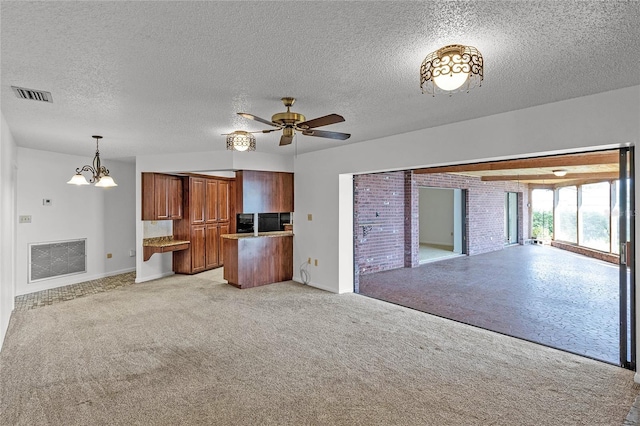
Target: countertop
column 260, row 234
column 161, row 242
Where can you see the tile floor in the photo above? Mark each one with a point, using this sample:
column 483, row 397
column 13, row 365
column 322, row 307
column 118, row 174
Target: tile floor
column 538, row 293
column 60, row 294
column 73, row 291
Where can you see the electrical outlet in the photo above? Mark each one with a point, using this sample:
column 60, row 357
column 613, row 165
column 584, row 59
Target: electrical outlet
column 316, row 262
column 46, row 202
column 309, row 261
column 109, row 255
column 132, row 253
column 309, row 217
column 25, row 219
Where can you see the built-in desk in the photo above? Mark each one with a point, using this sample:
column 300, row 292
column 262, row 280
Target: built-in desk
column 251, row 261
column 150, row 246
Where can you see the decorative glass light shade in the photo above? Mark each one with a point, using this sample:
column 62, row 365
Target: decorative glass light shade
column 106, row 182
column 454, row 68
column 99, row 173
column 78, row 179
column 241, row 141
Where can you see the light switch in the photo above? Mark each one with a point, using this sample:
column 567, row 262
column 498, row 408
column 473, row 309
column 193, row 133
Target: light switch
column 309, row 217
column 25, row 219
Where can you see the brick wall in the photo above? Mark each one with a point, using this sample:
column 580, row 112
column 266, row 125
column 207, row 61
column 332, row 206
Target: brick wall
column 379, row 220
column 386, row 216
column 596, row 254
column 411, row 226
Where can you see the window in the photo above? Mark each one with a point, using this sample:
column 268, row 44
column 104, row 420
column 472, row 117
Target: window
column 594, row 226
column 615, row 217
column 566, row 215
column 542, row 209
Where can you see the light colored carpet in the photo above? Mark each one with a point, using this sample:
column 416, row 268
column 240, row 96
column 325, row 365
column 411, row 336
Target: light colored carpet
column 187, row 350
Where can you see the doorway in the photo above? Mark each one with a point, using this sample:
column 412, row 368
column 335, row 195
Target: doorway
column 510, row 218
column 440, row 223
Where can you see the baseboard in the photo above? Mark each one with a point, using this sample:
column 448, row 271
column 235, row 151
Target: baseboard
column 636, row 378
column 153, row 277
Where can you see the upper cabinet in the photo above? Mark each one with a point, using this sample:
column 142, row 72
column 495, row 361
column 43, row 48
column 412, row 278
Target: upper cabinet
column 263, row 192
column 208, row 200
column 161, row 197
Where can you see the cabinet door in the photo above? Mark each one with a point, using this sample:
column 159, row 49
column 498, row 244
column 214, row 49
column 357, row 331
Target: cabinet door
column 212, row 246
column 284, row 191
column 198, row 248
column 161, row 191
column 224, row 207
column 211, row 201
column 148, row 196
column 224, row 229
column 175, row 197
column 197, row 193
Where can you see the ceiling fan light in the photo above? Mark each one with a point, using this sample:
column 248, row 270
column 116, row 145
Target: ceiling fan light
column 451, row 69
column 451, row 81
column 241, row 141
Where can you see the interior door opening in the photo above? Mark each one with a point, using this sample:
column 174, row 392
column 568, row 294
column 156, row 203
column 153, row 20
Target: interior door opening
column 441, row 223
column 510, row 218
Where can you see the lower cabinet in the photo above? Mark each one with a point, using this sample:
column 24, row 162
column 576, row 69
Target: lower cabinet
column 213, row 246
column 205, row 250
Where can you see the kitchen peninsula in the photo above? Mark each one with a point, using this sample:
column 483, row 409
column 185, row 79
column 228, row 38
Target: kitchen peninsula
column 259, row 258
column 251, row 261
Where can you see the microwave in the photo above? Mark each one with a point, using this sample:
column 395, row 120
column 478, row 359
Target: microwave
column 267, row 222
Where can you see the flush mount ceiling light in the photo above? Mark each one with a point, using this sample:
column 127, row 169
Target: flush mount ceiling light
column 241, row 141
column 560, row 172
column 99, row 173
column 453, row 68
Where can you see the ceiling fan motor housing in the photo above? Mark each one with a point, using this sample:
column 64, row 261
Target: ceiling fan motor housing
column 288, row 118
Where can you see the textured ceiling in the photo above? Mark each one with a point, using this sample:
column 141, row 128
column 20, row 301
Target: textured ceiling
column 165, row 77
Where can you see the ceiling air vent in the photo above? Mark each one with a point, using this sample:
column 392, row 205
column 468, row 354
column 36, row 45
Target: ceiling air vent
column 34, row 95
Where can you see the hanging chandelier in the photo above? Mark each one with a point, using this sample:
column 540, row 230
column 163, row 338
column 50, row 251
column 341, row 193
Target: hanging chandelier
column 241, row 141
column 99, row 173
column 453, row 68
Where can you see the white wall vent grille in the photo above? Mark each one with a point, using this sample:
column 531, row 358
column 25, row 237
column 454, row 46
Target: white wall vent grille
column 56, row 259
column 34, row 95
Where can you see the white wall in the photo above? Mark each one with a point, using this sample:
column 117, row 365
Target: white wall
column 435, row 216
column 104, row 216
column 214, row 162
column 607, row 119
column 8, row 171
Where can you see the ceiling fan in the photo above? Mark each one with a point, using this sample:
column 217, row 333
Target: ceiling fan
column 290, row 121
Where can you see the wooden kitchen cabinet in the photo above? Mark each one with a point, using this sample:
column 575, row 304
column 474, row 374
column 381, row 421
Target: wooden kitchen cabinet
column 263, row 192
column 198, row 249
column 207, row 213
column 196, row 200
column 213, row 246
column 161, row 197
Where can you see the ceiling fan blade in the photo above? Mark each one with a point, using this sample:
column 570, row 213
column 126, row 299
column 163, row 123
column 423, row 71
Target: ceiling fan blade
column 325, row 134
column 286, row 140
column 321, row 121
column 256, row 118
